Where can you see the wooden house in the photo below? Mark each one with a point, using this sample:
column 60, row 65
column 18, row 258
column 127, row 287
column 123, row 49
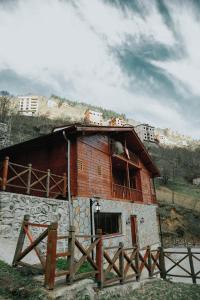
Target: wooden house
column 106, row 163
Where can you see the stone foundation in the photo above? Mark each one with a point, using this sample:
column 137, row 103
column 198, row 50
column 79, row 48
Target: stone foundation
column 42, row 210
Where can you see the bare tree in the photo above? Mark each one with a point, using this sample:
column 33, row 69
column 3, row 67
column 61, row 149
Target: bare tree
column 4, row 106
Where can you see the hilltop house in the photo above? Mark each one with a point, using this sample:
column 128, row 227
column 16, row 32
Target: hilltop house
column 93, row 117
column 106, row 166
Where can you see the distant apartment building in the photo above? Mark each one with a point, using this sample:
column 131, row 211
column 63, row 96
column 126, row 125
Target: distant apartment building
column 118, row 122
column 93, row 117
column 28, row 105
column 145, row 132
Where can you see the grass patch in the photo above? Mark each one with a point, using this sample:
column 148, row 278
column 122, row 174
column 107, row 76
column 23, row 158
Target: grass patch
column 62, row 264
column 15, row 285
column 165, row 290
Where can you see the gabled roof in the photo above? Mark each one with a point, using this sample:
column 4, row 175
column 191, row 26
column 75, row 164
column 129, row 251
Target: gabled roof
column 75, row 129
column 132, row 136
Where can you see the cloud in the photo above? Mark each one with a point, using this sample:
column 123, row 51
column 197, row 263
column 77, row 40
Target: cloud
column 106, row 53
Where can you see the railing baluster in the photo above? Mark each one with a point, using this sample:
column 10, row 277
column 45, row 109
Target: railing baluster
column 29, row 179
column 99, row 260
column 5, row 173
column 48, row 183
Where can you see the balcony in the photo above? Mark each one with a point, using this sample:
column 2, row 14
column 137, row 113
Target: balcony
column 118, row 151
column 126, row 193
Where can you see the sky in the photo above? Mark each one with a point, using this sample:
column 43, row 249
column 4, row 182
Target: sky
column 137, row 57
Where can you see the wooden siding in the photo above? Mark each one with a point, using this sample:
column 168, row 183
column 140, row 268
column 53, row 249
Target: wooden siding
column 145, row 184
column 50, row 155
column 93, row 152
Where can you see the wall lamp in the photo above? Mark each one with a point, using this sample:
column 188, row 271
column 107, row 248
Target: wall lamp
column 142, row 220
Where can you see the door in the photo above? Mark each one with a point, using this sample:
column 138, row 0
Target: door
column 134, row 230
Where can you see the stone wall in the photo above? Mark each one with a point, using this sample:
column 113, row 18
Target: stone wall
column 42, row 210
column 148, row 233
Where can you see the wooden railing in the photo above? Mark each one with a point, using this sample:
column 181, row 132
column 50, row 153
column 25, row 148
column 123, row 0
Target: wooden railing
column 117, row 264
column 26, row 179
column 124, row 192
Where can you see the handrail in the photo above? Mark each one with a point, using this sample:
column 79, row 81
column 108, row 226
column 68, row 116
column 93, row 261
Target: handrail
column 32, row 181
column 128, row 193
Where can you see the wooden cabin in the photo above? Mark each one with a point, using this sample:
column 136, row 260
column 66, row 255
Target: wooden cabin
column 108, row 162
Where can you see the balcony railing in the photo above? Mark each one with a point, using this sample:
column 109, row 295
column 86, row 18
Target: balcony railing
column 28, row 180
column 126, row 193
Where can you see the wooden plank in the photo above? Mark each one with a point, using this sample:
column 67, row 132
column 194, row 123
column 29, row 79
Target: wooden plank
column 38, row 225
column 177, row 264
column 20, row 241
column 50, row 269
column 86, row 255
column 35, row 243
column 112, row 262
column 63, row 254
column 71, row 250
column 121, row 262
column 143, row 261
column 61, row 273
column 37, row 250
column 191, row 265
column 85, row 275
column 62, row 237
column 130, row 263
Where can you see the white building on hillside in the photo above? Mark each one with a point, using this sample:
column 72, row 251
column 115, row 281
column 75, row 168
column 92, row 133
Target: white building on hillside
column 93, row 117
column 118, row 122
column 28, row 105
column 145, row 132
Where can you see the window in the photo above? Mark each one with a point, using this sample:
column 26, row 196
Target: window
column 99, row 171
column 80, row 165
column 110, row 223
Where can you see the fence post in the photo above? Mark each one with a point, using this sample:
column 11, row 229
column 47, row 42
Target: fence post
column 121, row 262
column 21, row 239
column 162, row 263
column 71, row 250
column 51, row 256
column 64, row 185
column 137, row 263
column 48, row 183
column 191, row 265
column 149, row 261
column 99, row 259
column 5, row 173
column 29, row 179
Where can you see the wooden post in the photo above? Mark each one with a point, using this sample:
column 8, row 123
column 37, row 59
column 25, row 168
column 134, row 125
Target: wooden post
column 5, row 173
column 99, row 260
column 191, row 265
column 121, row 262
column 21, row 239
column 51, row 256
column 149, row 261
column 29, row 179
column 48, row 183
column 162, row 263
column 137, row 264
column 64, row 185
column 71, row 250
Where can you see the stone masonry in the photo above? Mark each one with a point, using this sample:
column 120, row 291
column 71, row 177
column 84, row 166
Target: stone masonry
column 42, row 210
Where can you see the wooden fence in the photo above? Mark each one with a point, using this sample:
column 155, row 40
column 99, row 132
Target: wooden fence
column 109, row 265
column 26, row 179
